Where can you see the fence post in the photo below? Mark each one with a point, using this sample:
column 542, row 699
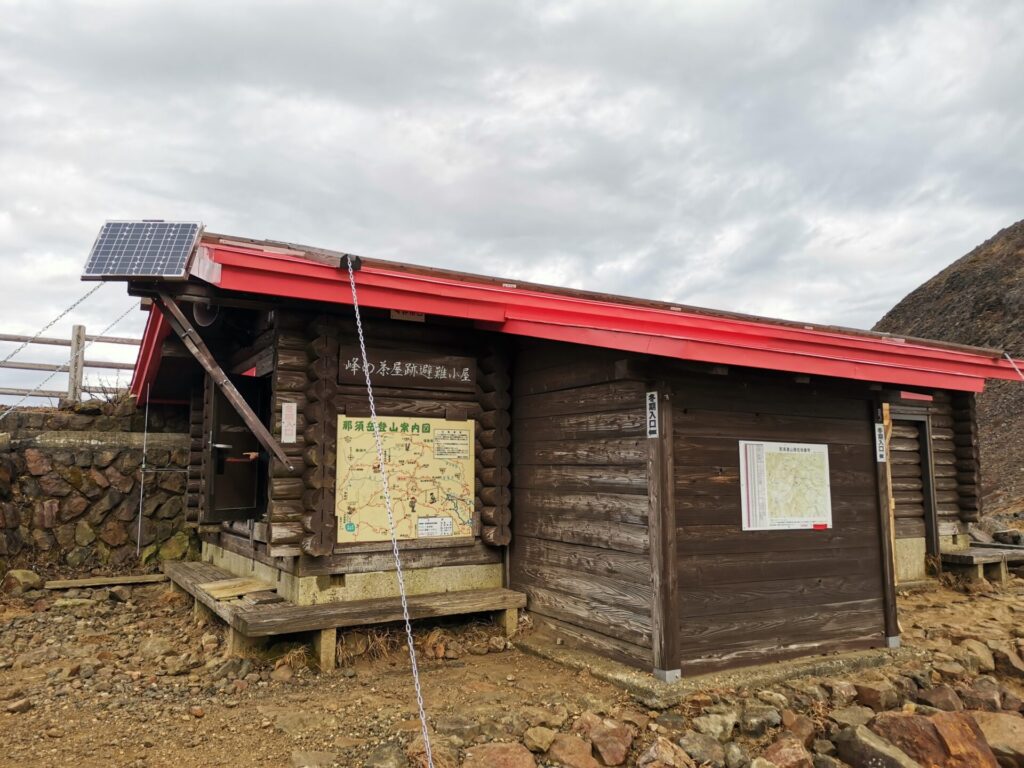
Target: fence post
column 76, row 364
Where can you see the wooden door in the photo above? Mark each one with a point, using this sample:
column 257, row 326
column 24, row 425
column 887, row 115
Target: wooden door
column 234, row 457
column 913, row 481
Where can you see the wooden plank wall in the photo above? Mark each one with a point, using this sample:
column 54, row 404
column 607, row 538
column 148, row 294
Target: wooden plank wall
column 750, row 596
column 581, row 550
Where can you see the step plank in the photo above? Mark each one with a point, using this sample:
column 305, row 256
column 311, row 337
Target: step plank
column 227, row 588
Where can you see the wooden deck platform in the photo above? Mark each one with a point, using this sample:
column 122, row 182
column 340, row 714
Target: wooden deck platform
column 989, row 562
column 252, row 610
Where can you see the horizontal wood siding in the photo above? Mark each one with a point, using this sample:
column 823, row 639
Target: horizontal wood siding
column 750, row 596
column 580, row 549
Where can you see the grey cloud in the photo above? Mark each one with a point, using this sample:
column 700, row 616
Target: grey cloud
column 811, row 160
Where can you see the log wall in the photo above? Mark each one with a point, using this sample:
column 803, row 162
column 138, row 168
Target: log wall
column 581, row 549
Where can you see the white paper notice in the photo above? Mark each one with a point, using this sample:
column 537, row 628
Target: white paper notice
column 289, row 416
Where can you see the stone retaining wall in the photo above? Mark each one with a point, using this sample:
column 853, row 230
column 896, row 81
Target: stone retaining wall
column 70, row 484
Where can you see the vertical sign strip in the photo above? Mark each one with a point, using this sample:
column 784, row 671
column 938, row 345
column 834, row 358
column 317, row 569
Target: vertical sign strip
column 652, row 414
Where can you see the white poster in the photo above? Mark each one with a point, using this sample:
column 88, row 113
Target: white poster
column 289, row 418
column 784, row 486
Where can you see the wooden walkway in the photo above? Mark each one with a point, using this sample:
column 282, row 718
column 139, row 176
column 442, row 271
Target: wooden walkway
column 252, row 610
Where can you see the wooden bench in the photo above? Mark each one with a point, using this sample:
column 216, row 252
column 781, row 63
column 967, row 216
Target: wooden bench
column 253, row 611
column 988, row 562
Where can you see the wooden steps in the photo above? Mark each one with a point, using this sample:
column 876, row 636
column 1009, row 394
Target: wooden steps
column 250, row 609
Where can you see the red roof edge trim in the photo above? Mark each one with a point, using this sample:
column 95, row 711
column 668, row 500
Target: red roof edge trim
column 599, row 320
column 150, row 354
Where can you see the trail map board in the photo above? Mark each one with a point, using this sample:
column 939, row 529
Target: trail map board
column 784, row 486
column 430, row 476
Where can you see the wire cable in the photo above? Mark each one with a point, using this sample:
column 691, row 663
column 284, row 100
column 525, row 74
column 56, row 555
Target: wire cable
column 391, row 520
column 44, row 382
column 53, row 322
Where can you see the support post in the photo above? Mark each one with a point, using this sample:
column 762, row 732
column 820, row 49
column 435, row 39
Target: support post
column 325, row 648
column 886, row 529
column 662, row 529
column 241, row 645
column 507, row 620
column 76, row 364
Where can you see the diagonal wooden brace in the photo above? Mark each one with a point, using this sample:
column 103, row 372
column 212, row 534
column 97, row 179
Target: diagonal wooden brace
column 195, row 344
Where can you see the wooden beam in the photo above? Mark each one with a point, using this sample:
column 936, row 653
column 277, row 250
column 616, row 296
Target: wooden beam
column 195, row 344
column 662, row 530
column 105, row 581
column 887, row 532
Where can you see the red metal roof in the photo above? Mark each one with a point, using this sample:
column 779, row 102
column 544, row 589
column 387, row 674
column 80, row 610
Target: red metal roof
column 613, row 322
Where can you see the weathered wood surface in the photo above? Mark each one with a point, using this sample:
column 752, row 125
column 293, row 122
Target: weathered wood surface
column 284, row 619
column 223, row 589
column 580, row 499
column 265, row 619
column 106, row 581
column 746, row 595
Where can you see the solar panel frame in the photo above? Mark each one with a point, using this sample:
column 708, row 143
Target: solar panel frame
column 143, row 249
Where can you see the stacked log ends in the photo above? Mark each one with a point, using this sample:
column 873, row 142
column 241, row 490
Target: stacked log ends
column 968, row 474
column 194, row 479
column 493, row 456
column 319, row 523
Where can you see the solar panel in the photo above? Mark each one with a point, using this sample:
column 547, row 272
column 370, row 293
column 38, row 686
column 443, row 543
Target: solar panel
column 126, row 249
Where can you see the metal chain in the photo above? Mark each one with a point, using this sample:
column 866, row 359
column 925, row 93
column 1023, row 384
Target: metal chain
column 53, row 322
column 43, row 383
column 391, row 520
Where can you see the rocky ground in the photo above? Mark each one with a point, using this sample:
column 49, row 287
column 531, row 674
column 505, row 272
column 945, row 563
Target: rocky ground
column 127, row 677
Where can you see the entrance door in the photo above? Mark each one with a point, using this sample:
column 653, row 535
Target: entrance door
column 234, row 456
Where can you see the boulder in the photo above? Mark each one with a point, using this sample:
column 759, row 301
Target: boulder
column 879, row 696
column 947, row 739
column 799, row 727
column 704, row 749
column 852, row 715
column 789, row 753
column 664, row 754
column 572, row 752
column 941, row 697
column 499, row 755
column 758, row 718
column 859, row 746
column 19, row 580
column 84, row 534
column 735, row 756
column 1008, row 662
column 980, row 653
column 611, row 741
column 538, row 738
column 1005, row 735
column 719, row 726
column 842, row 692
column 175, row 548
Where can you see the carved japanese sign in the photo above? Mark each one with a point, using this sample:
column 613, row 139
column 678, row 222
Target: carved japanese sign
column 417, row 370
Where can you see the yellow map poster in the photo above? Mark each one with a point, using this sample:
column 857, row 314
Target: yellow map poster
column 784, row 486
column 430, row 475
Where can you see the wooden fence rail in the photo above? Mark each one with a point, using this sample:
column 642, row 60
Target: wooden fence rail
column 74, row 368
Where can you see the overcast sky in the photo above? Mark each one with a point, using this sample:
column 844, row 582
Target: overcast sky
column 806, row 160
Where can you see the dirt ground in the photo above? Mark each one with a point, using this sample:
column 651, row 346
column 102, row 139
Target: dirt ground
column 131, row 679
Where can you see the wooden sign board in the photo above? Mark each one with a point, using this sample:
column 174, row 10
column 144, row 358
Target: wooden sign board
column 415, row 370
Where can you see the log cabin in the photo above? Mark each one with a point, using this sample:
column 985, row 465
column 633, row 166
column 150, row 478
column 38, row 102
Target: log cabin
column 681, row 490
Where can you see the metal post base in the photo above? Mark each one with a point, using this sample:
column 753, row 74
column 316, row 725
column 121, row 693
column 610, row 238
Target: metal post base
column 892, row 642
column 667, row 675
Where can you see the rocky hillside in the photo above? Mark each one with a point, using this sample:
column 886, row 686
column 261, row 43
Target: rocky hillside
column 979, row 300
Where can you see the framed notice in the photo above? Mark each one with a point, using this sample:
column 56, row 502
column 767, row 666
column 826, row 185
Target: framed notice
column 431, row 477
column 784, row 486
